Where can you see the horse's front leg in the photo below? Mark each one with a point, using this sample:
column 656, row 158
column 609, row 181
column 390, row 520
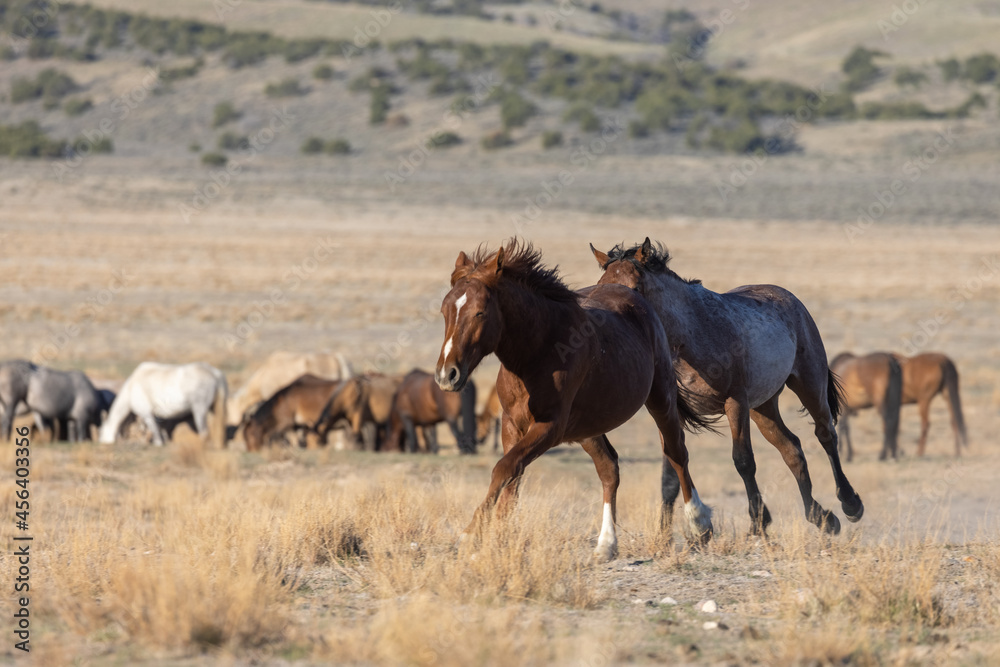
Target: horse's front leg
column 538, row 439
column 606, row 461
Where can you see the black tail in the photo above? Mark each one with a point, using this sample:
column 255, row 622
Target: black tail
column 691, row 420
column 834, row 395
column 950, row 374
column 891, row 404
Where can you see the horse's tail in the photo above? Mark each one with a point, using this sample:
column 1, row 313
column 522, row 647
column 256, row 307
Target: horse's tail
column 892, row 403
column 950, row 379
column 219, row 410
column 691, row 420
column 469, row 418
column 834, row 395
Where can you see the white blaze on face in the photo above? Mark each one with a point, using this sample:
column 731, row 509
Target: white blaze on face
column 459, row 302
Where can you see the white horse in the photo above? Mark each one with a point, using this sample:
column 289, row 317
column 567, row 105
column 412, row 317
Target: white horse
column 157, row 393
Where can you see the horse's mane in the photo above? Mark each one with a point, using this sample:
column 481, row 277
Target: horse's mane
column 522, row 263
column 655, row 261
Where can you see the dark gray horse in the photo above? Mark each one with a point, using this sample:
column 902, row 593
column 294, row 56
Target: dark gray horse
column 54, row 397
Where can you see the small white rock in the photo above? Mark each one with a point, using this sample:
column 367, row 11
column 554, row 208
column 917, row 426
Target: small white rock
column 709, row 625
column 709, row 607
column 668, row 600
column 763, row 574
column 638, row 601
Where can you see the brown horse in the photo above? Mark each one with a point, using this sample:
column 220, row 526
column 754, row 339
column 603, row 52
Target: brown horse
column 575, row 365
column 872, row 381
column 489, row 419
column 924, row 377
column 296, row 406
column 420, row 402
column 366, row 402
column 734, row 353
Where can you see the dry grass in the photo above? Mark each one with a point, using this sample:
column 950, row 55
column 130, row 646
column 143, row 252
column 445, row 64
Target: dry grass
column 167, row 554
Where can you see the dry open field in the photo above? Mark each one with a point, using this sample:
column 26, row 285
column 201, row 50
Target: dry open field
column 182, row 556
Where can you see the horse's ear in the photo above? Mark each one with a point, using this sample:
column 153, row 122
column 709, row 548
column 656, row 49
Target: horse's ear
column 601, row 257
column 500, row 257
column 462, row 267
column 643, row 253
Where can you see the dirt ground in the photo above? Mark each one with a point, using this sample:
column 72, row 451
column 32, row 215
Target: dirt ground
column 104, row 272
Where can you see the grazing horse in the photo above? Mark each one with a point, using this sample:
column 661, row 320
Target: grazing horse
column 65, row 400
column 156, row 393
column 420, row 402
column 575, row 365
column 734, row 353
column 872, row 381
column 924, row 377
column 296, row 406
column 489, row 420
column 365, row 401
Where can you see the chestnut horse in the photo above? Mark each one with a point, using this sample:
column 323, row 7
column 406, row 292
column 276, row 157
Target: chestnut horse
column 420, row 402
column 295, row 407
column 489, row 419
column 575, row 365
column 872, row 381
column 734, row 353
column 366, row 401
column 924, row 377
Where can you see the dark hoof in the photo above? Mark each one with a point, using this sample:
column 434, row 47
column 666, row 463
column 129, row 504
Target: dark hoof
column 830, row 523
column 758, row 526
column 854, row 510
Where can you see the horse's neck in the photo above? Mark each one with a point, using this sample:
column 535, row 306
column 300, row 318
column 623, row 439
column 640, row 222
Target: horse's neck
column 688, row 312
column 531, row 326
column 120, row 409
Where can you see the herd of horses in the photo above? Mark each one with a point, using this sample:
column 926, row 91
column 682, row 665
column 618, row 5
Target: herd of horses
column 378, row 412
column 574, row 366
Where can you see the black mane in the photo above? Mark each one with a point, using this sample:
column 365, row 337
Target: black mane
column 522, row 263
column 655, row 261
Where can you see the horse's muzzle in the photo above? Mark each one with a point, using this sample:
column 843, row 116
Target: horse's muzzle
column 451, row 378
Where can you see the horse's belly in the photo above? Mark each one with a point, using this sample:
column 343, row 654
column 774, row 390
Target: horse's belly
column 769, row 363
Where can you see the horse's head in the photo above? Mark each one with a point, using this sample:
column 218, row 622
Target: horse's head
column 253, row 428
column 623, row 267
column 472, row 319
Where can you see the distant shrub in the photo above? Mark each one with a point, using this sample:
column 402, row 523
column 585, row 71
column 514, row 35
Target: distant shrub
column 323, row 72
column 906, row 76
column 50, row 84
column 443, row 140
column 637, row 129
column 975, row 100
column 214, row 159
column 312, row 146
column 379, row 107
column 223, row 113
column 516, row 110
column 194, row 147
column 951, row 69
column 424, row 66
column 84, row 146
column 28, row 140
column 78, row 106
column 301, row 49
column 177, row 73
column 741, row 138
column 982, row 68
column 285, row 88
column 552, row 139
column 445, row 85
column 896, row 111
column 230, row 141
column 495, row 140
column 337, row 147
column 243, row 49
column 860, row 67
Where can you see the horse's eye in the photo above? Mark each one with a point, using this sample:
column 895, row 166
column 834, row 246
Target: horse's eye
column 480, row 315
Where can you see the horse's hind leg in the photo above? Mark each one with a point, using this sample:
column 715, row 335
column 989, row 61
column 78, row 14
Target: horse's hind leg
column 738, row 414
column 925, row 425
column 816, row 399
column 767, row 416
column 670, row 487
column 606, row 461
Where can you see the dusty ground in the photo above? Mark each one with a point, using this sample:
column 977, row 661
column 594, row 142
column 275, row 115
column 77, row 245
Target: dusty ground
column 282, row 262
